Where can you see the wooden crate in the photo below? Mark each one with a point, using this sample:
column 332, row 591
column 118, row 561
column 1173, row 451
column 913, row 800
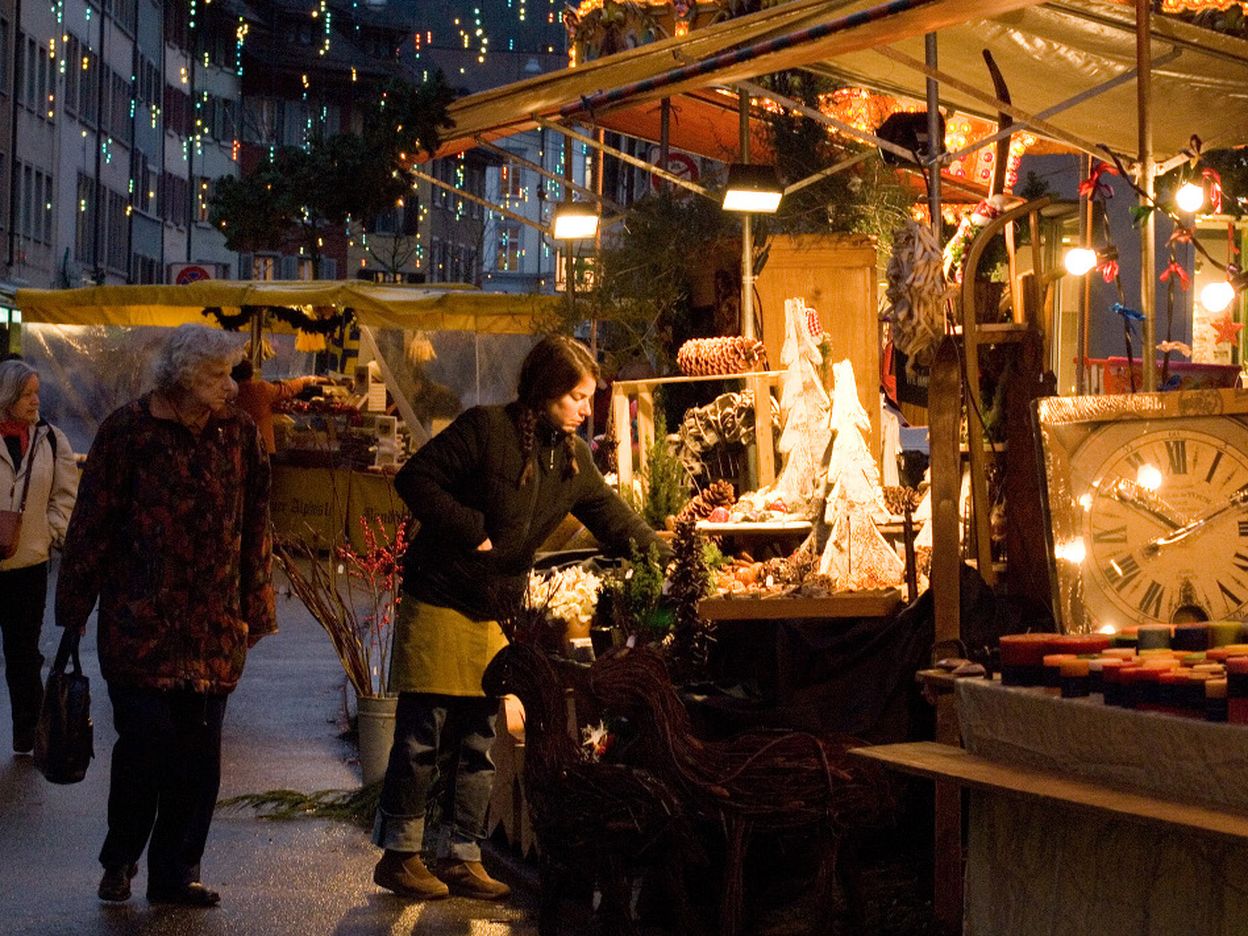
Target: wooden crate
column 623, row 392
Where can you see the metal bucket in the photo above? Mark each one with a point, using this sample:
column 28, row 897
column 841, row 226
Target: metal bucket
column 376, row 730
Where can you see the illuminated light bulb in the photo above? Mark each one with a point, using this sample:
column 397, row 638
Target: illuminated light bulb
column 1079, row 260
column 1217, row 296
column 1148, row 477
column 1190, row 197
column 1107, row 629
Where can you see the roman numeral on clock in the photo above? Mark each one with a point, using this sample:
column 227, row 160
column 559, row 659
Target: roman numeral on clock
column 1150, row 604
column 1121, row 572
column 1116, row 534
column 1243, row 527
column 1232, row 599
column 1213, row 466
column 1176, row 451
column 1241, row 560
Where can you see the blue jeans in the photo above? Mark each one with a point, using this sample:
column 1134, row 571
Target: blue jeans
column 439, row 766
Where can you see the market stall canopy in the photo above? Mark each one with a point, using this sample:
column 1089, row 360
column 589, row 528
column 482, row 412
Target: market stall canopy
column 1049, row 53
column 442, row 308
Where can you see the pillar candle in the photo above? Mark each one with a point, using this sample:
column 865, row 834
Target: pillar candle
column 1150, row 636
column 1193, row 636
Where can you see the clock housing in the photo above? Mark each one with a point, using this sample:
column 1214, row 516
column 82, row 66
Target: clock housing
column 1147, row 504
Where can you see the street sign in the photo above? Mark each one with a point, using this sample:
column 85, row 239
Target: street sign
column 679, row 163
column 182, row 274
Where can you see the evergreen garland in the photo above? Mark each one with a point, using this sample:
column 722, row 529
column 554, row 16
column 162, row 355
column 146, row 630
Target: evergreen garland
column 292, row 317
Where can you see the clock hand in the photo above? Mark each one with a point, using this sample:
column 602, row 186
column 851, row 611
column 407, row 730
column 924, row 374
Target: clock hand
column 1236, row 501
column 1143, row 500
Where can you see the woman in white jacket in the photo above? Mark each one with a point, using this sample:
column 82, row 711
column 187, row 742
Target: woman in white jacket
column 28, row 440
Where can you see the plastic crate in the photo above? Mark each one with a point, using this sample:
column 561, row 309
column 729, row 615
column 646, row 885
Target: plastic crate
column 1191, row 376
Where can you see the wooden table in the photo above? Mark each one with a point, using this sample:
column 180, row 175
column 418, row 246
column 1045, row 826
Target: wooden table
column 1088, row 820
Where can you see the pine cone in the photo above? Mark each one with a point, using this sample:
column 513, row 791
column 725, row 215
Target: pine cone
column 726, row 354
column 717, row 494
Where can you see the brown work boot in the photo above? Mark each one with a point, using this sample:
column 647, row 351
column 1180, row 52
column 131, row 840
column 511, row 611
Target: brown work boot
column 406, row 875
column 469, row 879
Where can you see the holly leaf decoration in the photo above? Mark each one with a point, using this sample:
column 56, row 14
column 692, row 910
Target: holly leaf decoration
column 1139, row 213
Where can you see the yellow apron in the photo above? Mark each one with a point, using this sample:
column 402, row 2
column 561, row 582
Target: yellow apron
column 439, row 650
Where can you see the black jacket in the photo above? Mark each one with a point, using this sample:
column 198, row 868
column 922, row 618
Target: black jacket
column 461, row 486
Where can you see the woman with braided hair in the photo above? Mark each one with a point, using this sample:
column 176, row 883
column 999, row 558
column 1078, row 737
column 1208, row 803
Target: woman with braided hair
column 487, row 491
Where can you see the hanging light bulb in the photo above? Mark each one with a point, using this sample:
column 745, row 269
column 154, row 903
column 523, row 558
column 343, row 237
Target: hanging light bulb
column 1079, row 260
column 1190, row 197
column 1217, row 296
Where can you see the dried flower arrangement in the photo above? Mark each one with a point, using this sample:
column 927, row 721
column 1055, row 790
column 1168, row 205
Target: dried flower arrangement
column 354, row 597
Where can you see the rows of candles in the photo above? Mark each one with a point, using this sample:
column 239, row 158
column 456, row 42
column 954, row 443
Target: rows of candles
column 1196, row 670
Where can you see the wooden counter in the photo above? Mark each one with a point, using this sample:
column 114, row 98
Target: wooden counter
column 877, row 603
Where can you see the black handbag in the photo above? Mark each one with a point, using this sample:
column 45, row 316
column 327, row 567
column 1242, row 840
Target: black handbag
column 64, row 737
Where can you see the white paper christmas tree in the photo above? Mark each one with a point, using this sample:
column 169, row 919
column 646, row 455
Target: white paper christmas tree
column 807, row 412
column 856, row 556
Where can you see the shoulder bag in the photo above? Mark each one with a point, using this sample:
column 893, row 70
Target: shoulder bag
column 11, row 520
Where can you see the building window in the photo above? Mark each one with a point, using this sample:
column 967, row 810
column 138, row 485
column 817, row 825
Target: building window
column 509, row 246
column 203, row 195
column 264, row 267
column 84, row 228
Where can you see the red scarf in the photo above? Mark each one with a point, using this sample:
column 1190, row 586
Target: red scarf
column 19, row 428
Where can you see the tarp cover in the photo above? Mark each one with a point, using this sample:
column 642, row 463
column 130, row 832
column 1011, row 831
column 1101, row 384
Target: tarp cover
column 382, row 306
column 1047, row 52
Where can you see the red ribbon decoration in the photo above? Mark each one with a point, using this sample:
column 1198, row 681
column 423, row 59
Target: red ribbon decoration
column 1174, row 269
column 1092, row 186
column 1215, row 188
column 1181, row 235
column 1109, row 270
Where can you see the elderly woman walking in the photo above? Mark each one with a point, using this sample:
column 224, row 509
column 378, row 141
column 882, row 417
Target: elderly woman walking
column 37, row 469
column 171, row 535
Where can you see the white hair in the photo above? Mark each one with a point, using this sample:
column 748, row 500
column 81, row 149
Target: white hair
column 13, row 377
column 188, row 349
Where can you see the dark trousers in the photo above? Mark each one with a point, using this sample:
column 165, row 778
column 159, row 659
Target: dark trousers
column 165, row 777
column 440, row 768
column 22, row 596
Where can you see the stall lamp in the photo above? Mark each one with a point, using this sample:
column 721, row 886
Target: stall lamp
column 1215, row 297
column 574, row 221
column 1190, row 197
column 752, row 188
column 1079, row 260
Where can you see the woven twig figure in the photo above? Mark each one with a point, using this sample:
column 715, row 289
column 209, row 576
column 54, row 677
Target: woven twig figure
column 758, row 780
column 599, row 820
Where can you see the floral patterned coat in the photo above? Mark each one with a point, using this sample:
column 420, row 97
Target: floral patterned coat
column 171, row 534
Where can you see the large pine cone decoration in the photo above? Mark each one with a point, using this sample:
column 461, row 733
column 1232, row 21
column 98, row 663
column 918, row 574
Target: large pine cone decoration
column 717, row 494
column 730, row 354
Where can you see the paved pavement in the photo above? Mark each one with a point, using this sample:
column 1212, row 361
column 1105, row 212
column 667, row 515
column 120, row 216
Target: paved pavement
column 303, row 877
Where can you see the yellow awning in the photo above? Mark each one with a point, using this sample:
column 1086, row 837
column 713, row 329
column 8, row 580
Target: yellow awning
column 444, row 308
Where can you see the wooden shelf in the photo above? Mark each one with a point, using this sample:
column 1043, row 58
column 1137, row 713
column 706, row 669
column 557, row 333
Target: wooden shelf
column 945, row 762
column 877, row 603
column 762, row 528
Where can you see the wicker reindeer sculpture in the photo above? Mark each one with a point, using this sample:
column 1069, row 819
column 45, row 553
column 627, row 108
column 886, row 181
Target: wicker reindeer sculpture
column 758, row 781
column 599, row 821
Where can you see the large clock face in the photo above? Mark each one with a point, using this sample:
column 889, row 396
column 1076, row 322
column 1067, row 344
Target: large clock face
column 1165, row 521
column 1146, row 497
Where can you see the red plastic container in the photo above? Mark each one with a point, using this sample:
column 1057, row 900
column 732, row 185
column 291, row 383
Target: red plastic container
column 1191, row 376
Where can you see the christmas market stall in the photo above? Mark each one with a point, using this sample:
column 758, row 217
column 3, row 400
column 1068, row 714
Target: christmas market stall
column 397, row 362
column 1060, row 530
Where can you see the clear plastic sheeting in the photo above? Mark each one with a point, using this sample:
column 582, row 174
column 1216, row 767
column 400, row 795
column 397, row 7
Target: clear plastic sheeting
column 440, row 374
column 87, row 371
